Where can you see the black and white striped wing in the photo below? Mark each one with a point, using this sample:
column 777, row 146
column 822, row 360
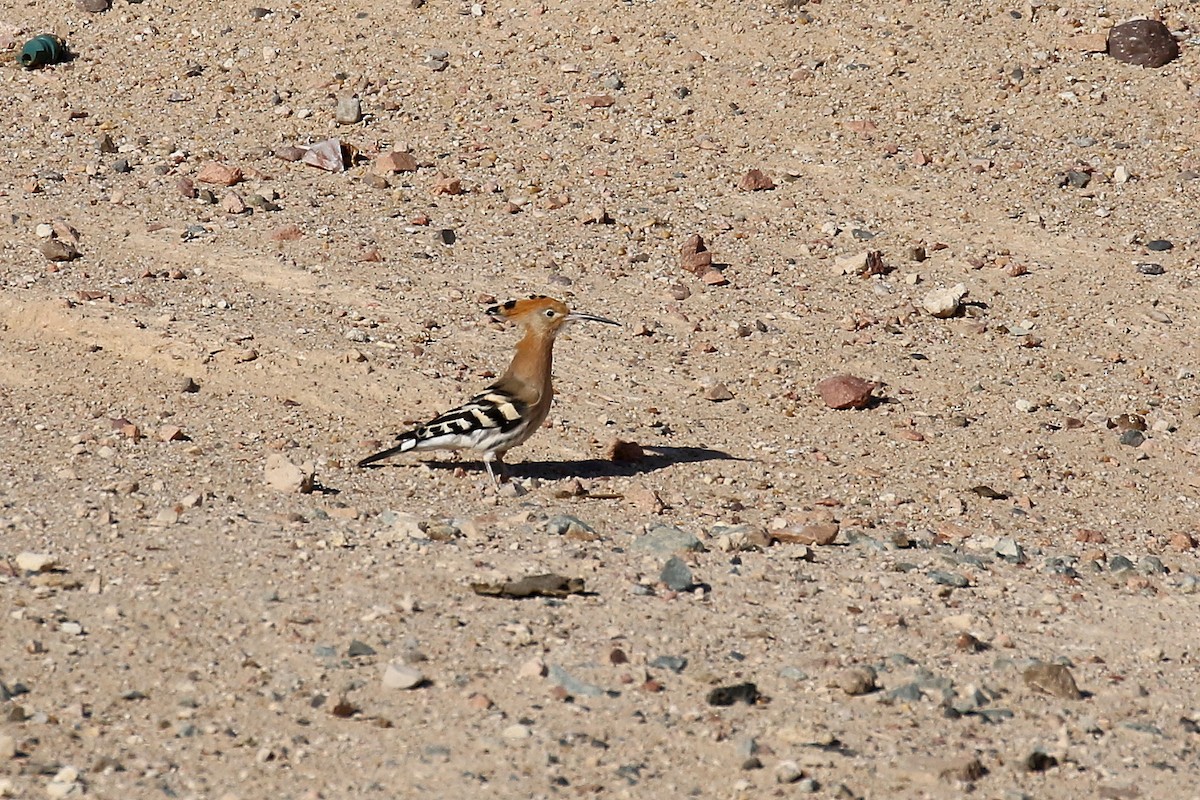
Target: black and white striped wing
column 484, row 423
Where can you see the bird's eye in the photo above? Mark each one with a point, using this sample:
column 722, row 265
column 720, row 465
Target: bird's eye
column 550, row 312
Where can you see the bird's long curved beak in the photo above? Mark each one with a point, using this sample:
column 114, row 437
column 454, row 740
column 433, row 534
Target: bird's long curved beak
column 579, row 316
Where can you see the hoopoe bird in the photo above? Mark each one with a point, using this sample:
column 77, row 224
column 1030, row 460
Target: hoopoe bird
column 509, row 411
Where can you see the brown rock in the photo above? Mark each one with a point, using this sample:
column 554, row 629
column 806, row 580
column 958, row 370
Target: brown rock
column 622, row 451
column 219, row 174
column 58, row 250
column 1143, row 43
column 1183, row 541
column 599, row 101
column 290, row 152
column 170, row 433
column 714, row 277
column 967, row 769
column 286, row 233
column 697, row 263
column 692, row 245
column 232, row 203
column 186, row 187
column 447, row 185
column 718, row 393
column 820, row 533
column 394, row 162
column 645, row 500
column 846, row 391
column 1053, row 679
column 756, row 181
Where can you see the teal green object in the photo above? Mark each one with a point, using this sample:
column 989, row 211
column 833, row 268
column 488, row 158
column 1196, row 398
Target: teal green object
column 44, row 49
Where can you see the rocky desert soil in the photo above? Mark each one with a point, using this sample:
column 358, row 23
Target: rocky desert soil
column 981, row 582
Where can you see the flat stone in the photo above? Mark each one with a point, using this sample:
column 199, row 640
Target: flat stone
column 402, row 676
column 574, row 686
column 284, row 476
column 667, row 539
column 36, row 562
column 944, row 303
column 1053, row 679
column 846, row 391
column 348, row 111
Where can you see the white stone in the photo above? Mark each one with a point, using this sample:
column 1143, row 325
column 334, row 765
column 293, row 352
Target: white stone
column 402, row 676
column 943, row 303
column 8, row 747
column 36, row 562
column 44, row 231
column 516, row 732
column 284, row 476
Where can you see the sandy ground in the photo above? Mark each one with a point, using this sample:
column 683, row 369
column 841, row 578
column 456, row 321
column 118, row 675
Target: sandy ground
column 1006, row 532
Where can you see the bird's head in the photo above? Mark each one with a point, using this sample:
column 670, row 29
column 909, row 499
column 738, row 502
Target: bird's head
column 541, row 314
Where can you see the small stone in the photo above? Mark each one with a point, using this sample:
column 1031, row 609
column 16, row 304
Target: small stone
column 1143, row 43
column 718, row 393
column 348, row 111
column 599, row 101
column 737, row 693
column 1159, row 245
column 857, row 680
column 967, row 769
column 402, row 676
column 287, row 233
column 667, row 539
column 1053, row 679
column 232, row 203
column 714, row 277
column 94, row 6
column 359, row 649
column 676, row 575
column 290, row 152
column 327, row 155
column 395, row 162
column 951, row 579
column 219, row 174
column 788, row 772
column 846, row 391
column 121, row 166
column 621, row 451
column 8, row 748
column 448, row 185
column 1078, row 179
column 516, row 732
column 533, row 668
column 1132, row 438
column 572, row 685
column 57, row 250
column 284, row 476
column 1149, row 268
column 36, row 562
column 674, row 664
column 1119, row 564
column 817, row 533
column 944, row 303
column 756, row 180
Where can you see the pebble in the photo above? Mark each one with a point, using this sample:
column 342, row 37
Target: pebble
column 348, row 111
column 944, row 303
column 36, row 562
column 1119, row 564
column 219, row 174
column 402, row 676
column 395, row 162
column 846, row 391
column 676, row 575
column 516, row 732
column 736, row 693
column 284, row 476
column 857, row 680
column 1148, row 268
column 756, row 180
column 1143, row 43
column 1007, row 548
column 1053, row 679
column 675, row 664
column 788, row 772
column 1159, row 245
column 358, row 649
column 952, row 579
column 8, row 747
column 718, row 393
column 574, row 686
column 667, row 539
column 58, row 251
column 533, row 668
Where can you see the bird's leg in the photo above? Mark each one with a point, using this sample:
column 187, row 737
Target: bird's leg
column 488, row 458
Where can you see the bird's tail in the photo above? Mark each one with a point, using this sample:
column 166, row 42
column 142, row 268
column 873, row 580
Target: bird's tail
column 406, row 443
